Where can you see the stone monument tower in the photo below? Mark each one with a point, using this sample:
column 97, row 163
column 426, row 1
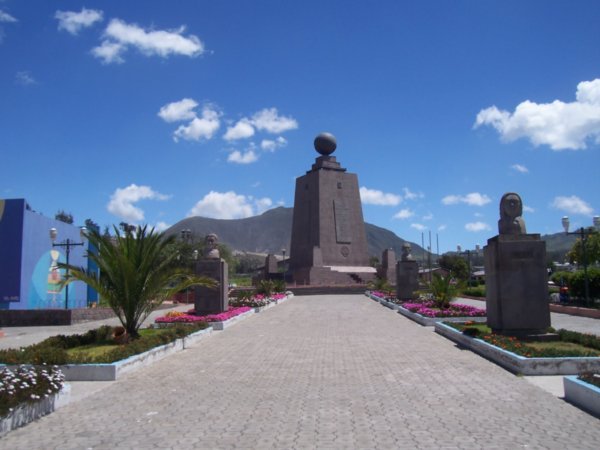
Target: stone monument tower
column 329, row 243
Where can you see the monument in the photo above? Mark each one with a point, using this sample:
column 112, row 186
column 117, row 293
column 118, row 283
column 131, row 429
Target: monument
column 329, row 243
column 407, row 275
column 387, row 271
column 212, row 300
column 516, row 276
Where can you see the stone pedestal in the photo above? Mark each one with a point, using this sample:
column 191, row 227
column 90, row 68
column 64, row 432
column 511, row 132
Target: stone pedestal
column 387, row 270
column 212, row 300
column 517, row 284
column 407, row 279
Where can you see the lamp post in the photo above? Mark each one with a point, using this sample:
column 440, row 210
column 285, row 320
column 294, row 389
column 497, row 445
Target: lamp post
column 67, row 245
column 583, row 234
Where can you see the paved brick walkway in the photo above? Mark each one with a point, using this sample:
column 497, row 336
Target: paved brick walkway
column 317, row 372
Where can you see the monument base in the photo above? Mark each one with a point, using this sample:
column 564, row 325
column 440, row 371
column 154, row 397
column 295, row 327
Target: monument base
column 334, row 275
column 407, row 279
column 212, row 300
column 517, row 285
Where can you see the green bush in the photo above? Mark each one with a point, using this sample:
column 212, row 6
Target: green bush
column 577, row 283
column 279, row 286
column 478, row 291
column 54, row 349
column 561, row 278
column 265, row 287
column 589, row 340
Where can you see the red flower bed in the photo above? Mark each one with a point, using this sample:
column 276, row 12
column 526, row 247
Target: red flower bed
column 190, row 317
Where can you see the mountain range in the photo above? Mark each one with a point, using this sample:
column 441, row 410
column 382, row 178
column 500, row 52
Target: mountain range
column 271, row 231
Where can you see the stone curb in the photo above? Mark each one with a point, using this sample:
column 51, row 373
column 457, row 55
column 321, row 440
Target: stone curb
column 219, row 326
column 519, row 364
column 112, row 371
column 28, row 412
column 583, row 395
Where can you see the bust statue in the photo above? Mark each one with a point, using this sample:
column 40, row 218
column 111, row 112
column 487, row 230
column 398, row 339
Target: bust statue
column 406, row 256
column 511, row 209
column 211, row 250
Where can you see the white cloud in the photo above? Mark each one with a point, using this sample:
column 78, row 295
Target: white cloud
column 528, row 209
column 5, row 17
column 270, row 121
column 428, row 216
column 270, row 145
column 241, row 130
column 24, row 78
column 238, row 157
column 119, row 36
column 404, row 214
column 477, row 226
column 229, row 205
column 375, row 197
column 409, row 195
column 519, row 168
column 73, row 22
column 418, row 226
column 122, row 201
column 109, row 52
column 200, row 127
column 572, row 205
column 560, row 125
column 442, row 227
column 177, row 111
column 161, row 226
column 472, row 199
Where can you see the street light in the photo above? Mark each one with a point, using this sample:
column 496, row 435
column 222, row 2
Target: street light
column 67, row 245
column 583, row 235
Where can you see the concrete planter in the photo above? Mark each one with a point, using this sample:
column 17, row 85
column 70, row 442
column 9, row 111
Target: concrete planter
column 112, row 371
column 584, row 395
column 519, row 364
column 258, row 309
column 431, row 321
column 28, row 412
column 218, row 326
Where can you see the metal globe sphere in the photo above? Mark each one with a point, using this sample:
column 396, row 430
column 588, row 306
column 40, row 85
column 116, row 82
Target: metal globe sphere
column 325, row 144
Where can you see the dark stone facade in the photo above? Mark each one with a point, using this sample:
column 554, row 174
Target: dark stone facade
column 212, row 300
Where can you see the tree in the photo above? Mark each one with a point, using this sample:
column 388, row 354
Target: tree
column 91, row 225
column 592, row 250
column 443, row 290
column 456, row 265
column 64, row 216
column 136, row 273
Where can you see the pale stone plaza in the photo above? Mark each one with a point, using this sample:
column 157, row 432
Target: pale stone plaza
column 331, row 371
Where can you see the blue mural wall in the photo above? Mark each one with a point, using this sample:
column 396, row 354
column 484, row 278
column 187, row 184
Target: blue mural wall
column 36, row 273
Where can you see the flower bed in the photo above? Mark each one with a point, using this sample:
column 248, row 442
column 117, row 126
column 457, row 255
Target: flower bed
column 428, row 309
column 190, row 317
column 424, row 312
column 499, row 350
column 27, row 385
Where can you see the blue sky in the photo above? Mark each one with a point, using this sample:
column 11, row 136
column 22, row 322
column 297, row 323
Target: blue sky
column 150, row 112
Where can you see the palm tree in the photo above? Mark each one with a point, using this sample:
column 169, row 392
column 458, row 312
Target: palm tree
column 136, row 273
column 443, row 289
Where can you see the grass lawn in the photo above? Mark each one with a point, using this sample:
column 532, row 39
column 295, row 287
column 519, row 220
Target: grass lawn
column 569, row 344
column 95, row 346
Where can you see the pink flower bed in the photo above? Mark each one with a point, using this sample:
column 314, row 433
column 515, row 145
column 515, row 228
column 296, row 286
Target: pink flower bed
column 190, row 317
column 382, row 295
column 428, row 309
